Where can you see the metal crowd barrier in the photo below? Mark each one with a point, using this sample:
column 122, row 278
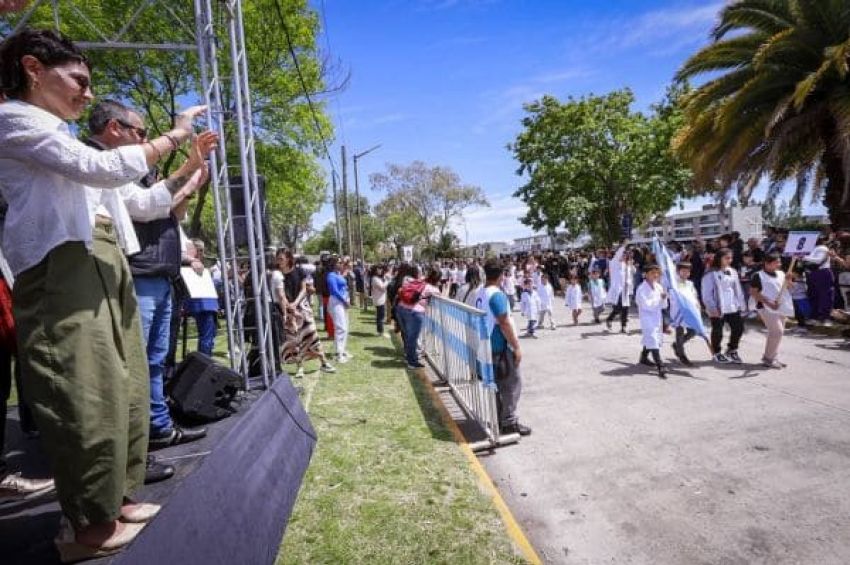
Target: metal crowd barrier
column 457, row 347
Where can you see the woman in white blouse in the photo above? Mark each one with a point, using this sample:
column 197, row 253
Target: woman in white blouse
column 77, row 315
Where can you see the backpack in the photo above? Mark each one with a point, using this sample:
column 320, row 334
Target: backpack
column 411, row 291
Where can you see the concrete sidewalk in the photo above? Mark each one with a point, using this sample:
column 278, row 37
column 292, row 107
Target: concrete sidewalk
column 732, row 464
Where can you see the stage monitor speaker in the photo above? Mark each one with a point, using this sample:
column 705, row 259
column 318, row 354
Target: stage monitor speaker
column 202, row 391
column 237, row 208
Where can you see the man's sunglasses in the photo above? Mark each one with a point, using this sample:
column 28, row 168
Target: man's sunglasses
column 141, row 132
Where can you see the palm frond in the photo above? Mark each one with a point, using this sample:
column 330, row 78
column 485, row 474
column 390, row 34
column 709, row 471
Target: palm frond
column 769, row 16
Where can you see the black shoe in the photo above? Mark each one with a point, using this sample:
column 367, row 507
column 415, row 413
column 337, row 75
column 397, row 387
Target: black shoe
column 680, row 355
column 644, row 360
column 156, row 471
column 623, row 330
column 176, row 436
column 662, row 374
column 608, row 324
column 516, row 428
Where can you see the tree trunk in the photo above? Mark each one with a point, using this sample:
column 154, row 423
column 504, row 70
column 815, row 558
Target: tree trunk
column 195, row 224
column 834, row 166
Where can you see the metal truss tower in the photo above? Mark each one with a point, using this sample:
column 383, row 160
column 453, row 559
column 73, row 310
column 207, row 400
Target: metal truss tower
column 217, row 37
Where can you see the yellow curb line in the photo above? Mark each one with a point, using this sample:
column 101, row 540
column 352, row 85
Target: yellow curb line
column 511, row 525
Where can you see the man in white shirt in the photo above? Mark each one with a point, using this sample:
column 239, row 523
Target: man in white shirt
column 154, row 212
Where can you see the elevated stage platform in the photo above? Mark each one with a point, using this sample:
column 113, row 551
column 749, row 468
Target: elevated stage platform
column 229, row 501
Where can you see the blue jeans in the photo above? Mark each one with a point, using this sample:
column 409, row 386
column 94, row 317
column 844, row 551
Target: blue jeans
column 411, row 326
column 154, row 296
column 206, row 331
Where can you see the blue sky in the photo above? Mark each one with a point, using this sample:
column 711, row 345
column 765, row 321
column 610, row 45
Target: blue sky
column 443, row 81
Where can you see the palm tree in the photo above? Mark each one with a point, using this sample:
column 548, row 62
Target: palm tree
column 777, row 102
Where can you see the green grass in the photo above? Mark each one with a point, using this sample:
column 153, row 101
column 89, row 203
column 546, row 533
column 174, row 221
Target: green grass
column 386, row 483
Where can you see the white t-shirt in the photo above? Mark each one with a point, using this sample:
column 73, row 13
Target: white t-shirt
column 379, row 291
column 277, row 285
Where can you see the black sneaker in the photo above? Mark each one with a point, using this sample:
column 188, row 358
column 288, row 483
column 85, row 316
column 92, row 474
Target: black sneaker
column 175, row 436
column 721, row 359
column 608, row 324
column 623, row 330
column 516, row 428
column 733, row 356
column 156, row 470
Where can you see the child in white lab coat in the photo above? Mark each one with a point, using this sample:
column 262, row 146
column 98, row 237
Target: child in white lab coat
column 596, row 291
column 651, row 300
column 530, row 305
column 573, row 295
column 547, row 302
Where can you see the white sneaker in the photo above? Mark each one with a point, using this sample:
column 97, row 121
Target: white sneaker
column 299, row 374
column 341, row 358
column 386, row 335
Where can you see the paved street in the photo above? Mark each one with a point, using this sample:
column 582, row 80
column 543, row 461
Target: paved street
column 716, row 465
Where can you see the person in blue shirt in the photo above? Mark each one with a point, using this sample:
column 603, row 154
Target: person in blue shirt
column 339, row 302
column 505, row 348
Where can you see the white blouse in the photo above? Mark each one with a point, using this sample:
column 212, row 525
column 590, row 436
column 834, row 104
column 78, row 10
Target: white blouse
column 46, row 177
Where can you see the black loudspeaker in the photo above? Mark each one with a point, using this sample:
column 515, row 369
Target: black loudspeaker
column 202, row 391
column 237, row 208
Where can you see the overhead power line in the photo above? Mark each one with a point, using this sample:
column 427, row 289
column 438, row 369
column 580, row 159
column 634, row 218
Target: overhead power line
column 310, row 104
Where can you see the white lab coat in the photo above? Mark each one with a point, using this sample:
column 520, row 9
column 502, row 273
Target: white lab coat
column 650, row 304
column 597, row 292
column 530, row 305
column 573, row 296
column 622, row 274
column 547, row 296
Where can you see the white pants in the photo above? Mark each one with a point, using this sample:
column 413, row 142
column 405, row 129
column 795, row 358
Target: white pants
column 543, row 313
column 340, row 318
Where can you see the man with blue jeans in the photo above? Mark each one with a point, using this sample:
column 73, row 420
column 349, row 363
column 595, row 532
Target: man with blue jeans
column 155, row 222
column 504, row 347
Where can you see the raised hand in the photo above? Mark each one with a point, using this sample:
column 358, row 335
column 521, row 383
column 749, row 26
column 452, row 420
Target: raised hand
column 203, row 144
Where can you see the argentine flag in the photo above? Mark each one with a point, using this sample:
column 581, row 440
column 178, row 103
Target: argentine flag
column 688, row 315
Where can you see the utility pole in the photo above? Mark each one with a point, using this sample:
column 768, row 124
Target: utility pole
column 337, row 227
column 357, row 157
column 346, row 209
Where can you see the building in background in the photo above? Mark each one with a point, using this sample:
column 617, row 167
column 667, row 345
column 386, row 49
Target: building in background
column 706, row 223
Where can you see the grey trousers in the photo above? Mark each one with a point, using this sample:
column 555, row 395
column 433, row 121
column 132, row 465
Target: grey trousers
column 509, row 383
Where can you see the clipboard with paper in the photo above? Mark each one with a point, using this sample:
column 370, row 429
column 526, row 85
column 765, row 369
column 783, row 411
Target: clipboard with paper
column 198, row 286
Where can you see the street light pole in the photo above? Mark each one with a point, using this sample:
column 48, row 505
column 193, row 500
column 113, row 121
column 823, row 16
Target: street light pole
column 337, row 227
column 346, row 208
column 358, row 156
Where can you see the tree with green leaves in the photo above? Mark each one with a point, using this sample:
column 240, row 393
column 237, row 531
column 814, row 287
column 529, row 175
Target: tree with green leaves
column 777, row 102
column 399, row 226
column 433, row 197
column 590, row 160
column 288, row 139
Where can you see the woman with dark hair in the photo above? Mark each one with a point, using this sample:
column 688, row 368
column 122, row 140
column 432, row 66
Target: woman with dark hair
column 76, row 310
column 300, row 339
column 412, row 303
column 724, row 300
column 340, row 301
column 468, row 293
column 378, row 291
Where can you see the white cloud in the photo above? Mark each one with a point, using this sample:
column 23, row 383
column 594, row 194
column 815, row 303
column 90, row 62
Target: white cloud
column 662, row 31
column 503, row 108
column 499, row 222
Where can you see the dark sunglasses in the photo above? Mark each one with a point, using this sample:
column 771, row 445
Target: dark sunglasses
column 141, row 132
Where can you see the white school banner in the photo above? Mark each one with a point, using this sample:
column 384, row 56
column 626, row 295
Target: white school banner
column 407, row 253
column 801, row 243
